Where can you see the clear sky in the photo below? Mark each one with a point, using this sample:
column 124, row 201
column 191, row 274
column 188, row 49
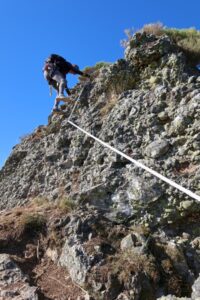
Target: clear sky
column 83, row 31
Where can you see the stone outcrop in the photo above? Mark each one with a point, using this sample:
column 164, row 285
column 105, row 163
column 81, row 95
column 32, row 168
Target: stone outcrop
column 13, row 283
column 147, row 105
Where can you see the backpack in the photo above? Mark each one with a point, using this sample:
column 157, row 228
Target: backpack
column 63, row 65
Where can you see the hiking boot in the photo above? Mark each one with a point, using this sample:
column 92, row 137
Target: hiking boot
column 60, row 97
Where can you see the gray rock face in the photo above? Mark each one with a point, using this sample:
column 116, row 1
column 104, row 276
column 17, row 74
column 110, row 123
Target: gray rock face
column 157, row 149
column 147, row 106
column 13, row 283
column 76, row 260
column 143, row 106
column 157, row 47
column 134, row 242
column 74, row 256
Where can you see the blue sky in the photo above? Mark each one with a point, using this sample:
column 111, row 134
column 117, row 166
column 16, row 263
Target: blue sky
column 83, row 31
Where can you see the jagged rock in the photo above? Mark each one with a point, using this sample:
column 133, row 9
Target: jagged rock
column 163, row 116
column 155, row 124
column 196, row 243
column 75, row 259
column 196, row 289
column 178, row 125
column 147, row 106
column 52, row 254
column 191, row 79
column 128, row 242
column 176, row 254
column 122, row 296
column 74, row 256
column 13, row 283
column 157, row 149
column 187, row 205
column 134, row 242
column 138, row 53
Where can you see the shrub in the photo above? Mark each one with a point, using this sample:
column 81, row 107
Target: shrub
column 66, row 204
column 101, row 64
column 111, row 102
column 134, row 262
column 41, row 201
column 129, row 35
column 33, row 223
column 180, row 34
column 187, row 39
column 153, row 28
column 94, row 70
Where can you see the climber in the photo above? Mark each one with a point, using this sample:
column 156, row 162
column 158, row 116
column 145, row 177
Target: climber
column 55, row 70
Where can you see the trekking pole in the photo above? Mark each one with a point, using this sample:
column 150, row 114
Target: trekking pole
column 50, row 90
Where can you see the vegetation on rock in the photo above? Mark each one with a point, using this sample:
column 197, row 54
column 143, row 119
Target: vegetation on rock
column 83, row 222
column 187, row 39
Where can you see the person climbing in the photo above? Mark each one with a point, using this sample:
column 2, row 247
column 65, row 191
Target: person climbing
column 55, row 70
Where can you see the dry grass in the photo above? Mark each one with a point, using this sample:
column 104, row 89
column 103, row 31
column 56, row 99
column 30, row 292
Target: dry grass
column 187, row 39
column 135, row 263
column 66, row 204
column 40, row 202
column 140, row 229
column 129, row 32
column 122, row 267
column 153, row 28
column 32, row 223
column 22, row 236
column 63, row 203
column 36, row 135
column 111, row 102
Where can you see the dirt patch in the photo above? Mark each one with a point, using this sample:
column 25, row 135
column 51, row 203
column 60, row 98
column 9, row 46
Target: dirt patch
column 185, row 168
column 55, row 283
column 29, row 231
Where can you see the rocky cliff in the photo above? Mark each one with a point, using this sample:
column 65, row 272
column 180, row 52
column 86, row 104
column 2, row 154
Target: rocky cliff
column 117, row 231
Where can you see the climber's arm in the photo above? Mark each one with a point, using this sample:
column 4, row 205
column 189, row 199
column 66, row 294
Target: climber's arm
column 74, row 70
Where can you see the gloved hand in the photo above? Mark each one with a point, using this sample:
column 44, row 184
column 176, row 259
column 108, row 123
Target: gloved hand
column 87, row 75
column 68, row 91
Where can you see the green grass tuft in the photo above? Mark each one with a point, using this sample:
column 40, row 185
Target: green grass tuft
column 33, row 223
column 188, row 40
column 66, row 204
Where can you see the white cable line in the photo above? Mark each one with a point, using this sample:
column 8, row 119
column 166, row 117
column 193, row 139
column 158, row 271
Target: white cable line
column 163, row 178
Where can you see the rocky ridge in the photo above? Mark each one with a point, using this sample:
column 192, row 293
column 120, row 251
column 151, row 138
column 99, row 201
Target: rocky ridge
column 147, row 105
